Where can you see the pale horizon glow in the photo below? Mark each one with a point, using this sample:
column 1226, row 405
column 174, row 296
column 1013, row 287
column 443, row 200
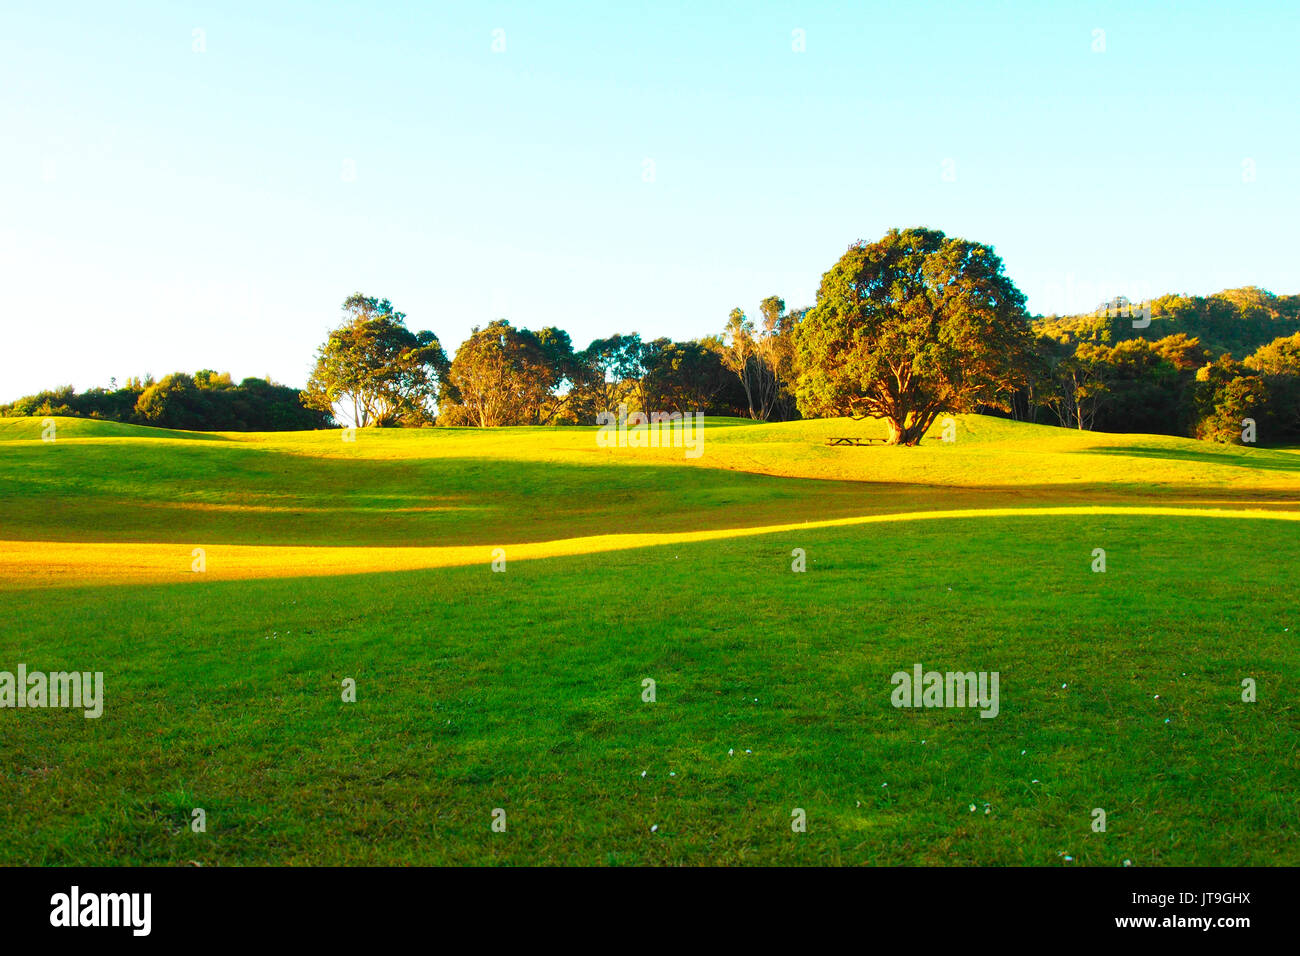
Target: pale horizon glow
column 168, row 208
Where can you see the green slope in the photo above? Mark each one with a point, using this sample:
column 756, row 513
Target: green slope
column 522, row 690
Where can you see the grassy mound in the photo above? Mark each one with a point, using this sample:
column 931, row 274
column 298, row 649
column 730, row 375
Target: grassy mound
column 64, row 429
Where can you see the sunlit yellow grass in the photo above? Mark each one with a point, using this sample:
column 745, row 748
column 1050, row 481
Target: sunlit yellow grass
column 987, row 452
column 68, row 564
column 291, row 483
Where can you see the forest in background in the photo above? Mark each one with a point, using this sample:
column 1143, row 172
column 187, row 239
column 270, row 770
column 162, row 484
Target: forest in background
column 1193, row 366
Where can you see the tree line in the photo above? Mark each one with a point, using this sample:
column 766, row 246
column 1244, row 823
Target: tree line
column 374, row 370
column 906, row 328
column 204, row 401
column 912, row 326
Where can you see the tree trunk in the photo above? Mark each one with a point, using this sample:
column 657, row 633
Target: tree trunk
column 909, row 434
column 897, row 431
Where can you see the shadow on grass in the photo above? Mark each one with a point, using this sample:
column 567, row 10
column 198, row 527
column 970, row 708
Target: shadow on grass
column 230, row 493
column 1244, row 458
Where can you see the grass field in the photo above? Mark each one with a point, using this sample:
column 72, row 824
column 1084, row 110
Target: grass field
column 326, row 560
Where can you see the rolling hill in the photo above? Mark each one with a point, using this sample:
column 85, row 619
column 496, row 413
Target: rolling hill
column 522, row 690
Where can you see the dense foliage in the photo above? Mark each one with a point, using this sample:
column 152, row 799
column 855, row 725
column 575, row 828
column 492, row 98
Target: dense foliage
column 1235, row 321
column 373, row 370
column 1170, row 386
column 204, row 401
column 911, row 326
column 907, row 328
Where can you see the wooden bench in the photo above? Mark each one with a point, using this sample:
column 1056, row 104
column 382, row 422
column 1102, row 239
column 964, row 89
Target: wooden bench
column 857, row 442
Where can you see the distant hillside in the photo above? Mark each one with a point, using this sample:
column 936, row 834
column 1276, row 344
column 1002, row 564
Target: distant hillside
column 1234, row 321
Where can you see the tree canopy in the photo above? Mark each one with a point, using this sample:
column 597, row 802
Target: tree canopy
column 911, row 326
column 906, row 328
column 374, row 370
column 507, row 376
column 204, row 401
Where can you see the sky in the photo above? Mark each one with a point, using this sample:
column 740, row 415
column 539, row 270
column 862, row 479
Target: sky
column 188, row 186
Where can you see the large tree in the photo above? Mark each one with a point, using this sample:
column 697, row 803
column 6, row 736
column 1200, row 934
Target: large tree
column 763, row 358
column 1279, row 365
column 612, row 367
column 1227, row 394
column 1079, row 383
column 774, row 351
column 739, row 355
column 507, row 376
column 687, row 376
column 373, row 370
column 909, row 327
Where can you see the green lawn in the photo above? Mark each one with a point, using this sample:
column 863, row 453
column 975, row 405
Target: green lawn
column 479, row 690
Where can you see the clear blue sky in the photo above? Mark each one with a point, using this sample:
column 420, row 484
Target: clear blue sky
column 165, row 209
